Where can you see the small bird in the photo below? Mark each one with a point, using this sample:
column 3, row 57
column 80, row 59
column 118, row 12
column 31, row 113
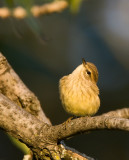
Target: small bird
column 79, row 93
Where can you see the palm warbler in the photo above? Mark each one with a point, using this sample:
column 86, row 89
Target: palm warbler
column 79, row 92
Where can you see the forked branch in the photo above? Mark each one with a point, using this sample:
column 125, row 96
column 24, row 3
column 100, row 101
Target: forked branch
column 22, row 116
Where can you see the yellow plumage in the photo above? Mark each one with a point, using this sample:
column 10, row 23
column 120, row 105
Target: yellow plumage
column 79, row 92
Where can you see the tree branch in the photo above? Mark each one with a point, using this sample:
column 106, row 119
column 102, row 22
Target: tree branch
column 36, row 11
column 16, row 93
column 119, row 113
column 20, row 123
column 12, row 87
column 36, row 134
column 22, row 116
column 83, row 124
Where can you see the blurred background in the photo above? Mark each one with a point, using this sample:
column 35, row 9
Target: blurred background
column 42, row 50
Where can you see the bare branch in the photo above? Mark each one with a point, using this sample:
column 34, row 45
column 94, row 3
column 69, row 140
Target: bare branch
column 121, row 113
column 27, row 128
column 33, row 132
column 14, row 119
column 83, row 124
column 20, row 12
column 22, row 117
column 20, row 123
column 12, row 87
column 39, row 136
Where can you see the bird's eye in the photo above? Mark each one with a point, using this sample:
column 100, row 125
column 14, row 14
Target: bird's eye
column 88, row 72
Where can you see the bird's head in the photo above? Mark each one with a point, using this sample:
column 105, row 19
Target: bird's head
column 90, row 70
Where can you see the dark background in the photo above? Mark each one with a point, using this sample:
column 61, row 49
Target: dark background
column 44, row 49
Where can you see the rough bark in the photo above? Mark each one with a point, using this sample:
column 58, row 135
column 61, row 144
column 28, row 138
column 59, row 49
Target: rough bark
column 12, row 87
column 22, row 117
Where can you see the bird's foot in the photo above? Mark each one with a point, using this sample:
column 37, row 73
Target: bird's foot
column 69, row 119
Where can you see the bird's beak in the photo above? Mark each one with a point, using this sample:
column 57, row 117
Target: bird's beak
column 83, row 61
